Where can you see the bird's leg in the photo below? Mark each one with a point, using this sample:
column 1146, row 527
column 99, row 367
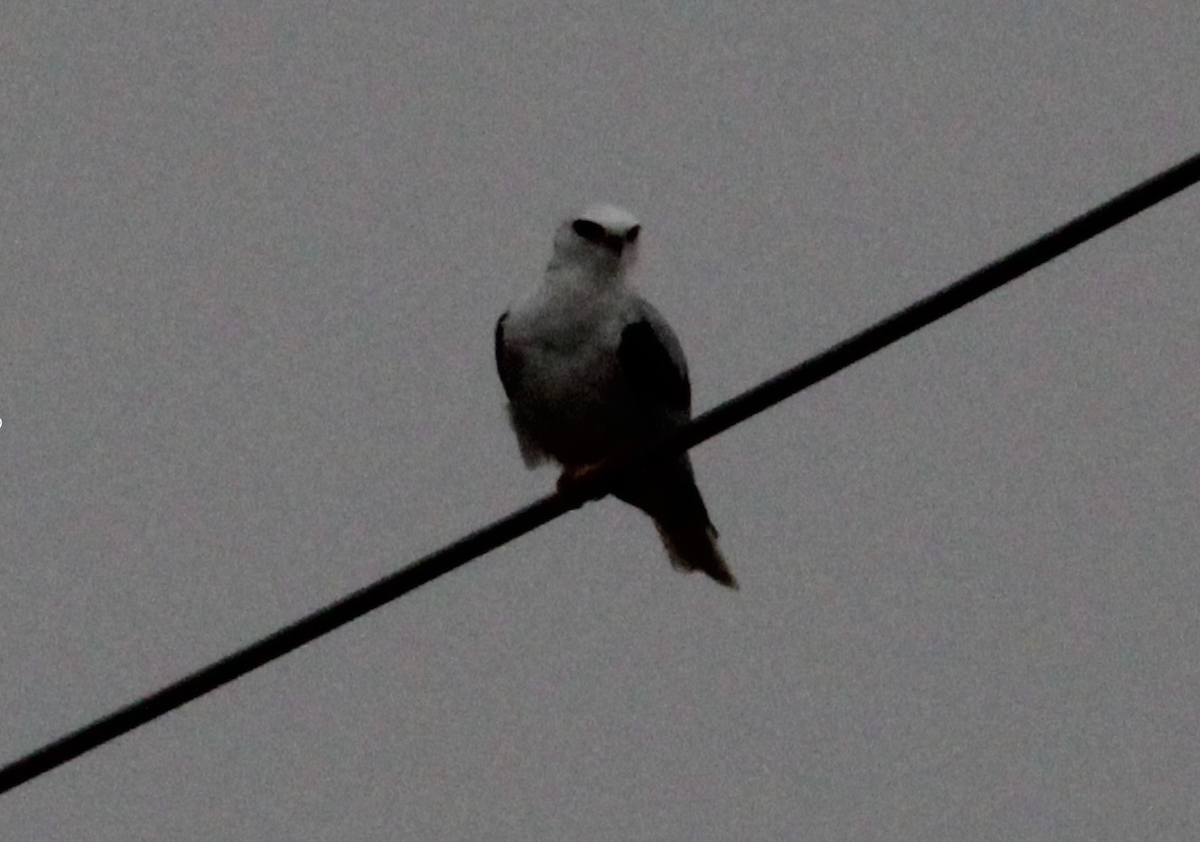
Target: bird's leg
column 573, row 476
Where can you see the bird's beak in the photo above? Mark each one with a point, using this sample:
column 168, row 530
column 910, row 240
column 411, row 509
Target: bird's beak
column 615, row 243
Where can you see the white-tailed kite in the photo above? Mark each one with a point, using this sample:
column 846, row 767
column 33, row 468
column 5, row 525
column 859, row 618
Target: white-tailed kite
column 591, row 370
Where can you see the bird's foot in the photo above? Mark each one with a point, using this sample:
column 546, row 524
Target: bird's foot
column 572, row 477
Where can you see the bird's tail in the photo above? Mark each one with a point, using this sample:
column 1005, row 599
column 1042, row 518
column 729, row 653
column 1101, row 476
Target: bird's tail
column 667, row 492
column 693, row 546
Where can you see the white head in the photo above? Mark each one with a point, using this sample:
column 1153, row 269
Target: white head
column 602, row 240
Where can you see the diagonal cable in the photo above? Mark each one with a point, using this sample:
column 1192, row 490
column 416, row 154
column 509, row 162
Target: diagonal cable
column 703, row 427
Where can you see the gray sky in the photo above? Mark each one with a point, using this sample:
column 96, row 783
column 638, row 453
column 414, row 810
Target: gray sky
column 252, row 255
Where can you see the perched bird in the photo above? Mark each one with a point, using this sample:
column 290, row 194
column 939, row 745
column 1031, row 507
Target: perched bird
column 591, row 370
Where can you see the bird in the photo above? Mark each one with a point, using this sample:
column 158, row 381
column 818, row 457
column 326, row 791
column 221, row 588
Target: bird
column 591, row 370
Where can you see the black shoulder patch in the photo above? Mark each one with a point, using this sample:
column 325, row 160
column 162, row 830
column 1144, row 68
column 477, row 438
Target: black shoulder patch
column 507, row 363
column 648, row 367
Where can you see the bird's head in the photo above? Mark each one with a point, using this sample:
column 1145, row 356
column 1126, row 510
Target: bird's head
column 603, row 238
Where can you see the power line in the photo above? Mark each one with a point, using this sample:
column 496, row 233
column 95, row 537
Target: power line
column 703, row 427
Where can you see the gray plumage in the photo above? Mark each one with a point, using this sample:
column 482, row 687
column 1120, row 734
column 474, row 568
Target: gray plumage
column 592, row 370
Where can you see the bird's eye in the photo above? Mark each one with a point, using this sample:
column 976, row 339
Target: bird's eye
column 632, row 234
column 593, row 232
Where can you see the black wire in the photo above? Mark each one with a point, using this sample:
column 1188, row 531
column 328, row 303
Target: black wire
column 705, row 426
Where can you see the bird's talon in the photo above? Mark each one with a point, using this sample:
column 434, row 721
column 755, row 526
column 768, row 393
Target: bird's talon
column 572, row 477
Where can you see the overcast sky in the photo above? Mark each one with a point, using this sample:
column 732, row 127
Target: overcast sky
column 251, row 258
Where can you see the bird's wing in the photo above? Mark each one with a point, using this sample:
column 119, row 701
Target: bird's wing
column 508, row 364
column 654, row 366
column 652, row 361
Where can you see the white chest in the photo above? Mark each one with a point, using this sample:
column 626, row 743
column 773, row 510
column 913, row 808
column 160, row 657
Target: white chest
column 567, row 343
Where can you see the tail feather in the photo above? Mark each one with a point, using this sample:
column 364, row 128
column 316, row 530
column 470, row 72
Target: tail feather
column 690, row 547
column 667, row 492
